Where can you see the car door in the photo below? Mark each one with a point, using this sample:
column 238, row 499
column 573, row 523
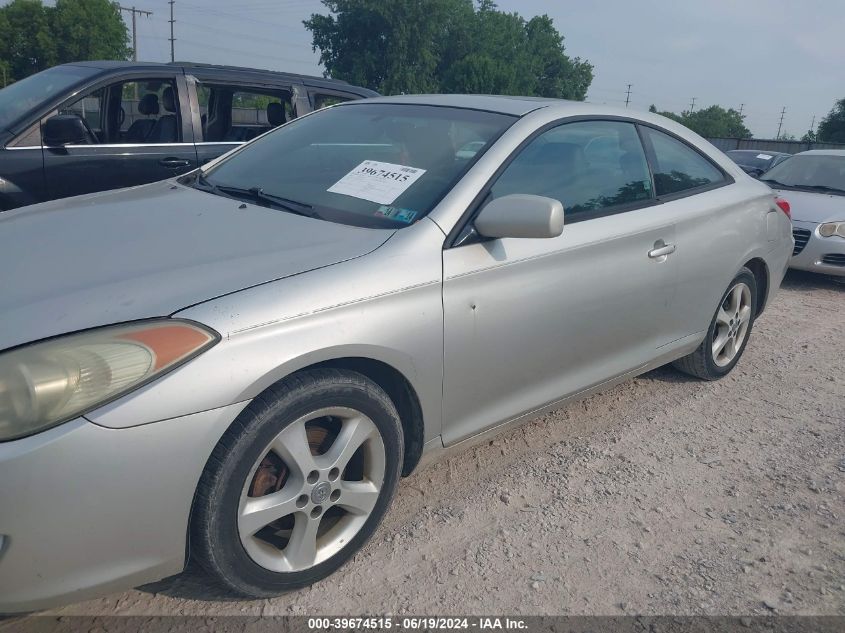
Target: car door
column 711, row 226
column 228, row 112
column 529, row 321
column 140, row 134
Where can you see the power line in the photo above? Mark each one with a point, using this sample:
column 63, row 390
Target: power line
column 135, row 12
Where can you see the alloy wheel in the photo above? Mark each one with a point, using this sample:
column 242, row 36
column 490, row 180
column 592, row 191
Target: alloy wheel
column 732, row 322
column 312, row 489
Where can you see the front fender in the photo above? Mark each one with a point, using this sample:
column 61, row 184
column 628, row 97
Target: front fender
column 386, row 306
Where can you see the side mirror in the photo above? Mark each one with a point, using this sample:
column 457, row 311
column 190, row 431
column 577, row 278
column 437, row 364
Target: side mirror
column 521, row 215
column 65, row 129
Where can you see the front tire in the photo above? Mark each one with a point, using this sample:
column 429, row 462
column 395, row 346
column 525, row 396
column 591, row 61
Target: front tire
column 298, row 483
column 728, row 333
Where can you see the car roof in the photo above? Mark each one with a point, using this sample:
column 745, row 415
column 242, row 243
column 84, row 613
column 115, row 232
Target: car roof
column 757, row 151
column 506, row 104
column 822, row 152
column 310, row 79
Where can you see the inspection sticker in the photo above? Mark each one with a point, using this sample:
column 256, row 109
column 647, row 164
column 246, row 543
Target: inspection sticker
column 377, row 182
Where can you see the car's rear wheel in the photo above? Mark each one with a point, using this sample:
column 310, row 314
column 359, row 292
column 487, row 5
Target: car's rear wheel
column 729, row 331
column 298, row 483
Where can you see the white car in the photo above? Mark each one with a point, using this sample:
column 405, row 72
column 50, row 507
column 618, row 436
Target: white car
column 814, row 182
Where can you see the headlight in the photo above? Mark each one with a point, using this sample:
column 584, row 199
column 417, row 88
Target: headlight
column 47, row 383
column 829, row 229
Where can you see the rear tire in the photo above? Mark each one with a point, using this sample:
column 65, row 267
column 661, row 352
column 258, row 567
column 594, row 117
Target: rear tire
column 298, row 483
column 728, row 333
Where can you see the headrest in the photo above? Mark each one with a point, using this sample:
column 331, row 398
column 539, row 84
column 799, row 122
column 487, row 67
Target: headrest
column 168, row 99
column 275, row 113
column 148, row 104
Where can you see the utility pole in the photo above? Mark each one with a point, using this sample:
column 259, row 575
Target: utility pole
column 813, row 123
column 628, row 96
column 172, row 39
column 692, row 105
column 780, row 125
column 741, row 106
column 134, row 13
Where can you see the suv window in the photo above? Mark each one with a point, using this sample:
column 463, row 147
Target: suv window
column 145, row 111
column 678, row 167
column 590, row 166
column 232, row 114
column 148, row 112
column 90, row 108
column 324, row 101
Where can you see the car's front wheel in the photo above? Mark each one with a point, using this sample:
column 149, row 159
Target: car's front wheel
column 728, row 333
column 298, row 483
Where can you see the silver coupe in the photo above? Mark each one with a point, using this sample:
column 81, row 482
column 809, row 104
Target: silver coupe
column 238, row 366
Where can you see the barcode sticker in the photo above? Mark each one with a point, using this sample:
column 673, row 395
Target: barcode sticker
column 377, row 182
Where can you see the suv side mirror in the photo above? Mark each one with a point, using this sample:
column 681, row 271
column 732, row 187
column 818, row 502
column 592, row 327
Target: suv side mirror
column 521, row 215
column 65, row 129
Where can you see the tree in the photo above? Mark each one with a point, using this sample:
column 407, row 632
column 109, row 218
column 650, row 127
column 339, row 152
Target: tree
column 401, row 46
column 89, row 29
column 712, row 122
column 34, row 36
column 832, row 127
column 26, row 42
column 809, row 137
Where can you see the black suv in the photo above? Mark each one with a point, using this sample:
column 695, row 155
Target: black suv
column 90, row 126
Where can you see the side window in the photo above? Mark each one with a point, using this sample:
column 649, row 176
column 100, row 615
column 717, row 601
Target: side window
column 148, row 112
column 30, row 138
column 144, row 111
column 678, row 167
column 324, row 101
column 92, row 109
column 589, row 166
column 232, row 114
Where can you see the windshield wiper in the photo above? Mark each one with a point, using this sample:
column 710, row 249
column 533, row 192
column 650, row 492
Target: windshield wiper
column 258, row 196
column 822, row 188
column 774, row 183
column 800, row 187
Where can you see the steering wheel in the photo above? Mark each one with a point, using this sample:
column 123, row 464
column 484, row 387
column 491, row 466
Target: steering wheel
column 92, row 138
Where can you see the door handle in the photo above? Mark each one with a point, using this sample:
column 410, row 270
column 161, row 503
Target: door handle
column 174, row 162
column 661, row 251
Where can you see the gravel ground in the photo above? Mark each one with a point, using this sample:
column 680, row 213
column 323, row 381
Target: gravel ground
column 665, row 495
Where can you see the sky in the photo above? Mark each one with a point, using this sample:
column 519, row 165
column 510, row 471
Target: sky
column 763, row 55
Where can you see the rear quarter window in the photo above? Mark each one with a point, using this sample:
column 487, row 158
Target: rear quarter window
column 677, row 166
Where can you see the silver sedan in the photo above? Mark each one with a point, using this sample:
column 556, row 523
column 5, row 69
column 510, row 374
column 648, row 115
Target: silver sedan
column 239, row 365
column 814, row 181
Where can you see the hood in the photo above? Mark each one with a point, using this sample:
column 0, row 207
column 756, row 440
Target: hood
column 149, row 251
column 808, row 206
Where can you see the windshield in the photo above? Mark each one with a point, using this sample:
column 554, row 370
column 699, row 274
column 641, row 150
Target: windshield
column 372, row 165
column 809, row 171
column 22, row 96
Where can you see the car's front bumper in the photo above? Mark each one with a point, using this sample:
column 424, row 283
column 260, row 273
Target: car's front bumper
column 86, row 509
column 819, row 254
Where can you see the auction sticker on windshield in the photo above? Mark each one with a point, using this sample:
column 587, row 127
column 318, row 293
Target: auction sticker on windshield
column 377, row 182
